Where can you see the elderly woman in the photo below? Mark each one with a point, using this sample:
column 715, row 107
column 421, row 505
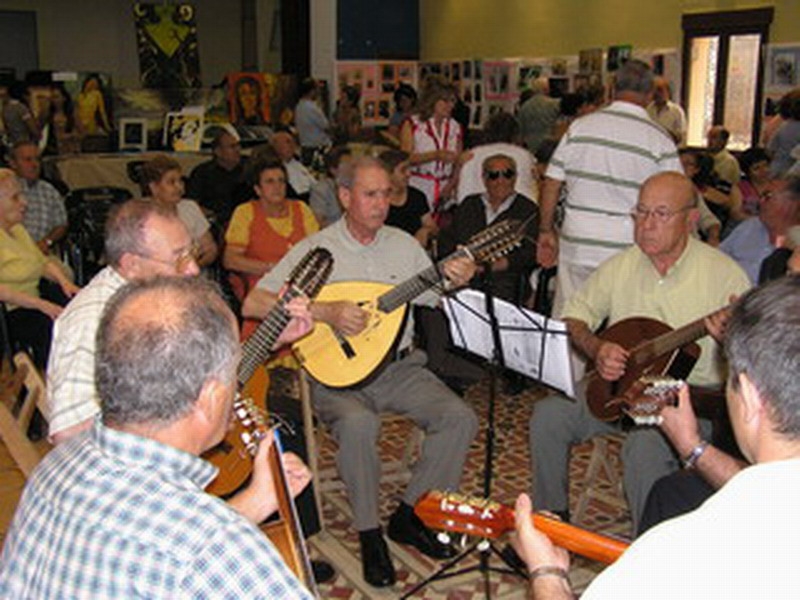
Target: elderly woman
column 22, row 265
column 433, row 139
column 262, row 230
column 162, row 182
column 755, row 182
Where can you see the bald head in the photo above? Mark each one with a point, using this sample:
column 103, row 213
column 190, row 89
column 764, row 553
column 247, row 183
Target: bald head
column 152, row 364
column 673, row 184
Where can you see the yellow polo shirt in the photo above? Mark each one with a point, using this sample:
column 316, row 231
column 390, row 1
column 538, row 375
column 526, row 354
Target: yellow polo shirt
column 21, row 261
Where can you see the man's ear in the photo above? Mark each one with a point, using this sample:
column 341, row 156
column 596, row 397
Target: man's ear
column 344, row 197
column 207, row 407
column 750, row 398
column 129, row 265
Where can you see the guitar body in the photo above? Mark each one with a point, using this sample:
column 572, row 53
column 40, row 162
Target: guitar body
column 341, row 361
column 230, row 456
column 603, row 396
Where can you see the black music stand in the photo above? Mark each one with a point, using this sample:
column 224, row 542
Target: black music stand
column 467, row 318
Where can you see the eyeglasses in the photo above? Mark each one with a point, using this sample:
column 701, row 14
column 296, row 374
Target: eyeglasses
column 660, row 214
column 181, row 262
column 507, row 173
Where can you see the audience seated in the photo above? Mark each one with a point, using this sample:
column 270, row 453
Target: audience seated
column 755, row 182
column 324, row 201
column 263, row 230
column 161, row 182
column 786, row 137
column 726, row 167
column 22, row 266
column 217, row 185
column 408, row 208
column 299, row 178
column 500, row 135
column 715, row 192
column 757, row 237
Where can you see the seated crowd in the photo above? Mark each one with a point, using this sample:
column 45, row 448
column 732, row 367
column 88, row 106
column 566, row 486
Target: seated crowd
column 634, row 226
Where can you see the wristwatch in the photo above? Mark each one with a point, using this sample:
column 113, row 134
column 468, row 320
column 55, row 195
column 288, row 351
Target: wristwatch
column 691, row 460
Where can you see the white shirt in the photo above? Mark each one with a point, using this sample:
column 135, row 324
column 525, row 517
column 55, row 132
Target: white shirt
column 671, row 117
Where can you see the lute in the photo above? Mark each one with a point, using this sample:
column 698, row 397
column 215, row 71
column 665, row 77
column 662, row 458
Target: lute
column 485, row 518
column 233, row 456
column 664, row 351
column 341, row 361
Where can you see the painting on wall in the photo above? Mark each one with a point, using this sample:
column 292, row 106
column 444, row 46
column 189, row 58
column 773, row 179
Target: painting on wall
column 248, row 99
column 183, row 131
column 92, row 96
column 783, row 64
column 617, row 56
column 166, row 37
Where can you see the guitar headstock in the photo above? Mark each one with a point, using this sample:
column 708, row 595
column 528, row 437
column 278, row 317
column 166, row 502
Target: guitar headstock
column 494, row 241
column 464, row 514
column 653, row 394
column 311, row 273
column 253, row 422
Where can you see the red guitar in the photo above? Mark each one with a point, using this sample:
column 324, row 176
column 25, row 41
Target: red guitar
column 485, row 518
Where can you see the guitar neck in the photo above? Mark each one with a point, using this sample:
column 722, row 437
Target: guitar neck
column 648, row 351
column 258, row 346
column 411, row 288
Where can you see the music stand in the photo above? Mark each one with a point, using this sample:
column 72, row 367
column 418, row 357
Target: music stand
column 539, row 349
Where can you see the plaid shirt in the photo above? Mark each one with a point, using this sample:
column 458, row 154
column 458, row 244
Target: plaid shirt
column 45, row 209
column 114, row 515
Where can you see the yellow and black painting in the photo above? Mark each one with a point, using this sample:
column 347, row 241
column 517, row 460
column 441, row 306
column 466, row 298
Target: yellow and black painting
column 166, row 35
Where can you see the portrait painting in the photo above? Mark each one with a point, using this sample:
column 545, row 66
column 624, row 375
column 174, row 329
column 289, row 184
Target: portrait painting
column 166, row 38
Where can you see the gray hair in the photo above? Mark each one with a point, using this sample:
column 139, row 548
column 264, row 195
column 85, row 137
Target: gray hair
column 762, row 341
column 151, row 367
column 634, row 76
column 126, row 225
column 346, row 175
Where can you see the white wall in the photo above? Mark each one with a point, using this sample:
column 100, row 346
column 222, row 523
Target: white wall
column 323, row 39
column 99, row 35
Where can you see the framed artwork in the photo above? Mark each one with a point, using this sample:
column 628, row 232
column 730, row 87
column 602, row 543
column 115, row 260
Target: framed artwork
column 183, row 132
column 248, row 99
column 133, row 135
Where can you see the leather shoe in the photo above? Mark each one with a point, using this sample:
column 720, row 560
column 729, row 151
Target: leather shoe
column 323, row 571
column 406, row 528
column 375, row 560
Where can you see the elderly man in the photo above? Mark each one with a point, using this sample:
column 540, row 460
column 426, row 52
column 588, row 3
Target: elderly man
column 121, row 512
column 756, row 238
column 725, row 164
column 300, row 178
column 538, row 115
column 501, row 135
column 217, row 185
column 747, row 526
column 509, row 274
column 669, row 276
column 667, row 113
column 364, row 249
column 603, row 159
column 46, row 216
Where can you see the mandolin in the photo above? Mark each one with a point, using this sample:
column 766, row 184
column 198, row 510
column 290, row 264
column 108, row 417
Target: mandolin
column 488, row 519
column 664, row 352
column 340, row 361
column 232, row 455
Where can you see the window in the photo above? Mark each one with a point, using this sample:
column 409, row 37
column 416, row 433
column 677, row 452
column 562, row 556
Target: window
column 722, row 73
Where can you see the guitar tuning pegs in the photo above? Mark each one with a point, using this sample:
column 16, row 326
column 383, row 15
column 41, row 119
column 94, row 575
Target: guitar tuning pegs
column 443, row 537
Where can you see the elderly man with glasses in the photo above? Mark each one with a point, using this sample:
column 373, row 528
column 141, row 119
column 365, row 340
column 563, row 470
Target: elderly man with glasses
column 509, row 274
column 669, row 276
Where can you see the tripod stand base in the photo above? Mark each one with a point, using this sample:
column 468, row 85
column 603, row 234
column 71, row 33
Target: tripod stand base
column 486, row 549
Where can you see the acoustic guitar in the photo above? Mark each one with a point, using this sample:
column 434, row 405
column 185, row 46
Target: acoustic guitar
column 233, row 455
column 664, row 352
column 488, row 519
column 339, row 361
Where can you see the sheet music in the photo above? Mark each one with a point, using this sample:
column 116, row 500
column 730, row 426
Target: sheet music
column 533, row 344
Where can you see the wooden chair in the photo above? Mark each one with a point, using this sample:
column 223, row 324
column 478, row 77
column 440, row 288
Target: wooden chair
column 22, row 392
column 600, row 464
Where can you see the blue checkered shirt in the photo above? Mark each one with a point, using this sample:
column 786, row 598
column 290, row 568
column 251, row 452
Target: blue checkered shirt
column 45, row 210
column 114, row 515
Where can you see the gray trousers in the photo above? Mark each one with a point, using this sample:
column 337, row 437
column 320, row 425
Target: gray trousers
column 406, row 388
column 558, row 422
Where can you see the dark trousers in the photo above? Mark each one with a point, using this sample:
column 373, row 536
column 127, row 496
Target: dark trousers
column 672, row 496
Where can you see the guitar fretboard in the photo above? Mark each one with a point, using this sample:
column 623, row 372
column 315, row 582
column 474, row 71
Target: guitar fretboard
column 411, row 288
column 258, row 346
column 648, row 351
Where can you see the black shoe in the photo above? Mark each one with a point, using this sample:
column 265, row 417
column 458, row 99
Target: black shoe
column 375, row 559
column 323, row 571
column 406, row 528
